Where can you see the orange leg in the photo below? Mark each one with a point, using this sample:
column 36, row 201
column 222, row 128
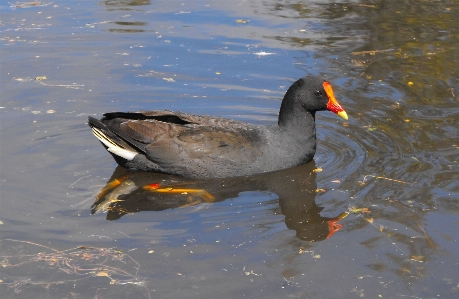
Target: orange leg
column 195, row 192
column 110, row 185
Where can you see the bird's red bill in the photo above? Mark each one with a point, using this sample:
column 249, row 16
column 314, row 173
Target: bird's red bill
column 333, row 104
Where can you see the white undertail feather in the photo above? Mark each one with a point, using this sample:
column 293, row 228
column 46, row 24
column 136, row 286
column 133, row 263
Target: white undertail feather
column 112, row 146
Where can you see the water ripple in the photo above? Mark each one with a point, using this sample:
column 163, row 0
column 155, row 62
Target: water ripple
column 337, row 154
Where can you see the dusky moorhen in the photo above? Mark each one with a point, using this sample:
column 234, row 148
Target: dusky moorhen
column 205, row 146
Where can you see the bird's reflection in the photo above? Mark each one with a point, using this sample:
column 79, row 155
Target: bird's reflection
column 131, row 192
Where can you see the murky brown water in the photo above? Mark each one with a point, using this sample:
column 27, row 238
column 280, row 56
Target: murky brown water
column 393, row 168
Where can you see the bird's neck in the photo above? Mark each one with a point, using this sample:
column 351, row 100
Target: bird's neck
column 293, row 117
column 297, row 132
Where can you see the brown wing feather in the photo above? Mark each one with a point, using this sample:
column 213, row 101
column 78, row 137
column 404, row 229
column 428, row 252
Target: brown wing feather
column 200, row 120
column 177, row 139
column 190, row 145
column 145, row 130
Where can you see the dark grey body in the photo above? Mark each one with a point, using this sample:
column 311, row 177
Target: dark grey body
column 204, row 146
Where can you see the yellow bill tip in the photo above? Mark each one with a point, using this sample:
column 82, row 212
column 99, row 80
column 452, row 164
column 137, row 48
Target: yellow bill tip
column 343, row 114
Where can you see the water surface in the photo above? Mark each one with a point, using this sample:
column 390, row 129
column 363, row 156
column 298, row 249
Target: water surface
column 393, row 166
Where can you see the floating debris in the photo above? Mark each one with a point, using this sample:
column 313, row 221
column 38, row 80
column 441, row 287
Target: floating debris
column 417, row 258
column 380, row 177
column 373, row 52
column 356, row 210
column 28, row 4
column 81, row 262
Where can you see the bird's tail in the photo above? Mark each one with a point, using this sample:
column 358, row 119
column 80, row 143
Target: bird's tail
column 111, row 141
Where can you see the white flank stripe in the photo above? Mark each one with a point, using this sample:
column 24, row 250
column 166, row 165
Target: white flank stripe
column 112, row 146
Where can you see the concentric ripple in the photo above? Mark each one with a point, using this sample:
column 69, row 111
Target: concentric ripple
column 338, row 155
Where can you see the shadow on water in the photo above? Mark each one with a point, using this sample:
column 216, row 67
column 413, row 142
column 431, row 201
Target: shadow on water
column 296, row 188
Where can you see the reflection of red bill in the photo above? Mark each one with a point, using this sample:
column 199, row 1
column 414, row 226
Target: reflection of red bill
column 151, row 186
column 333, row 104
column 333, row 226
